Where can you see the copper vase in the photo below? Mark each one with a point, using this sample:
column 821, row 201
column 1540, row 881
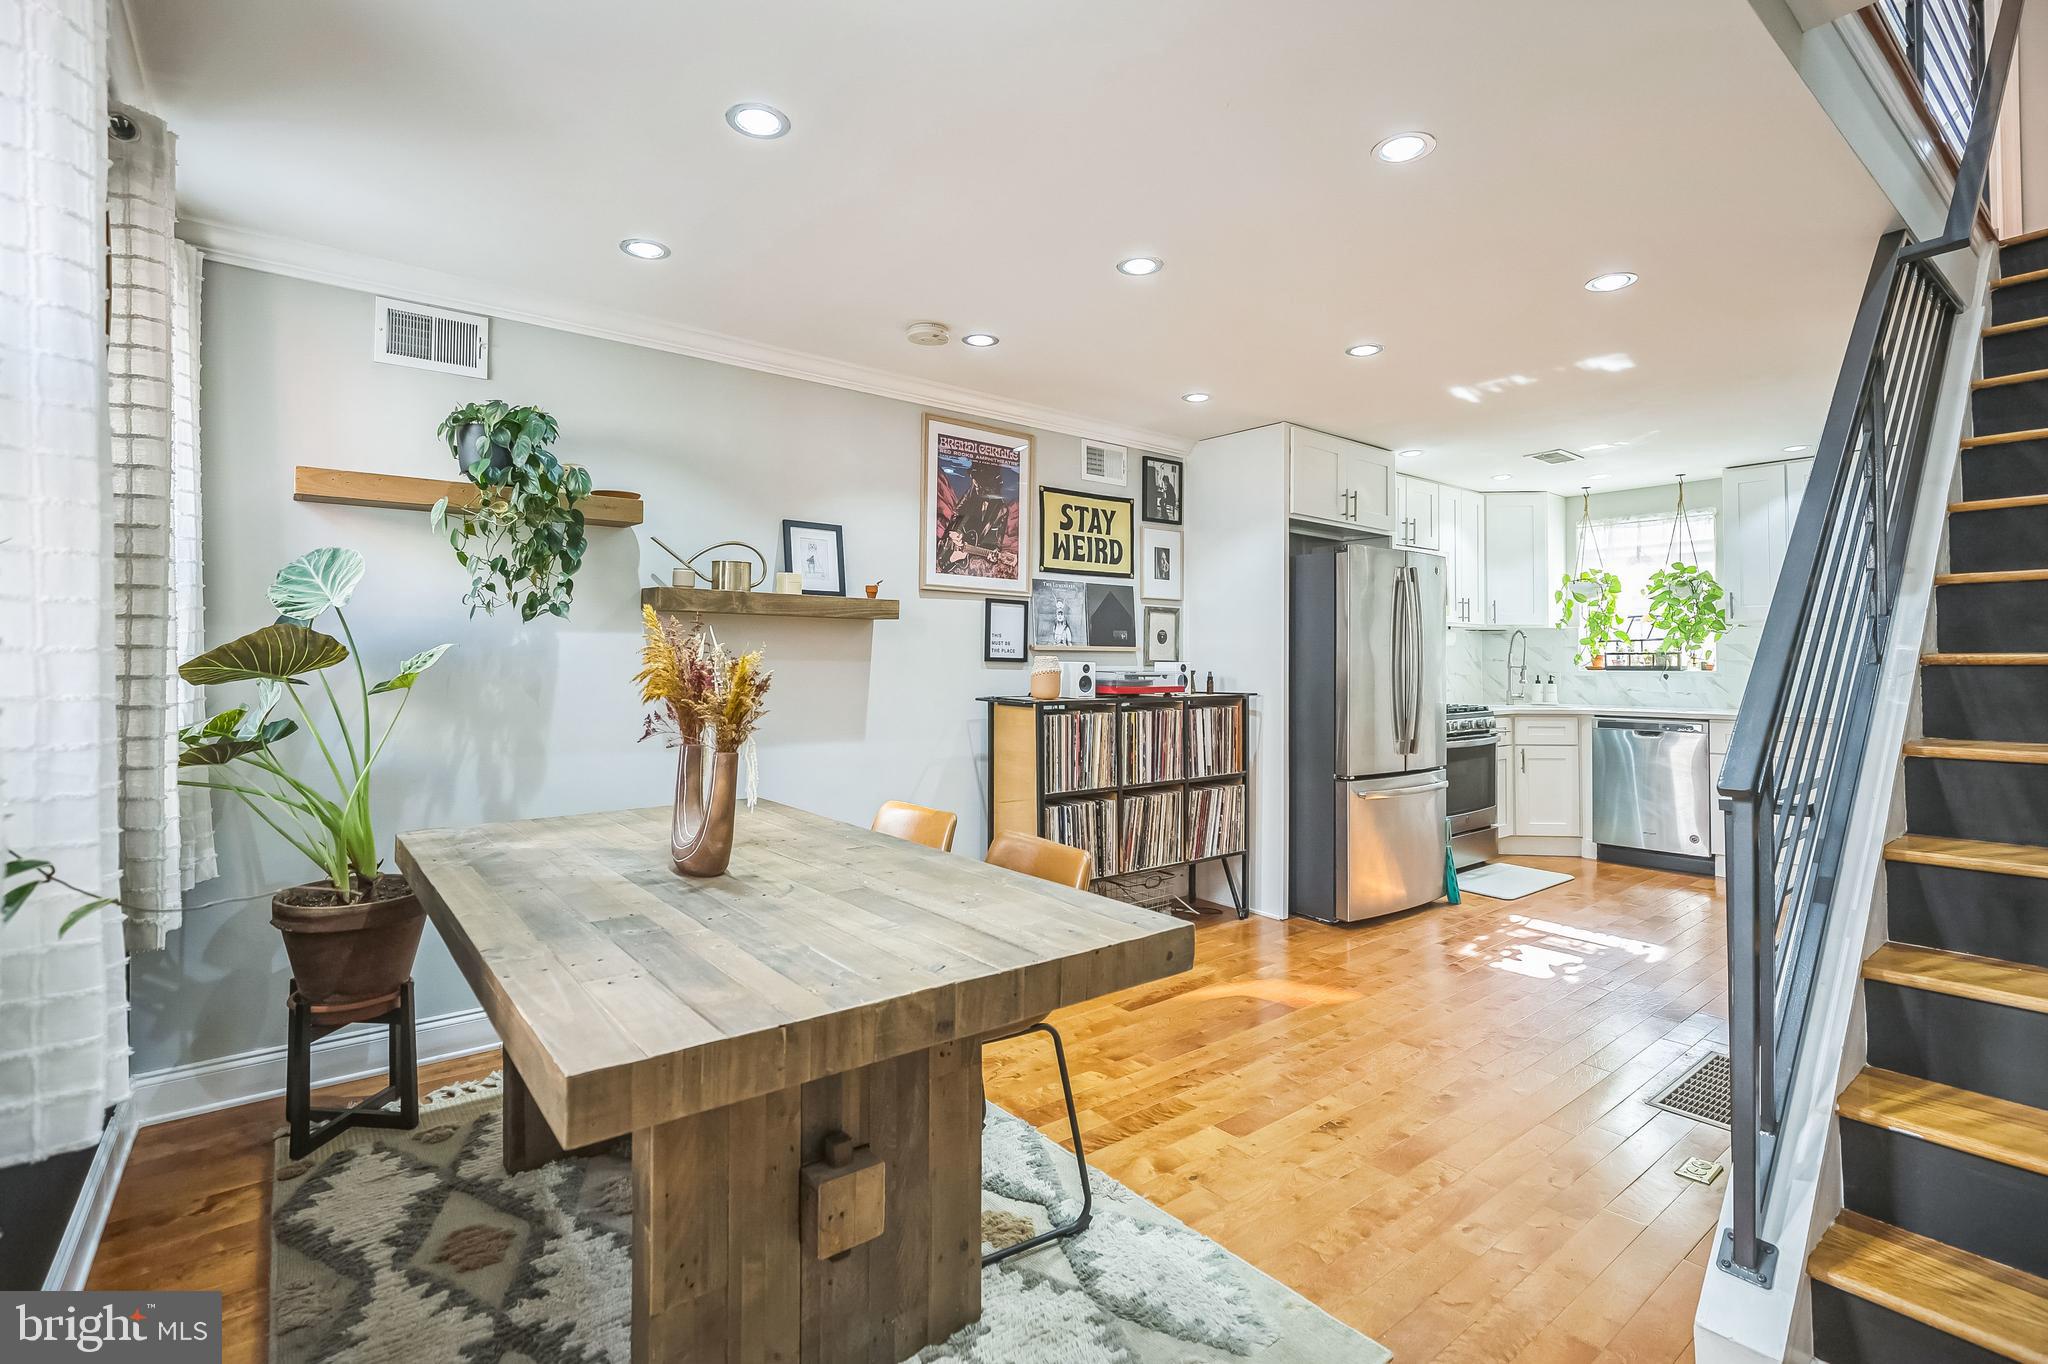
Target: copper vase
column 700, row 832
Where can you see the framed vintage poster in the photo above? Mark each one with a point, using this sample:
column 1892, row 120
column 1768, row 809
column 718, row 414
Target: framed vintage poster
column 817, row 552
column 1003, row 625
column 976, row 520
column 1159, row 484
column 1162, row 635
column 1162, row 564
column 1067, row 613
column 1084, row 535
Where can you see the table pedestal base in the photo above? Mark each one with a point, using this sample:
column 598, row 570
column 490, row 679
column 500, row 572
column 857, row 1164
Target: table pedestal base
column 720, row 1271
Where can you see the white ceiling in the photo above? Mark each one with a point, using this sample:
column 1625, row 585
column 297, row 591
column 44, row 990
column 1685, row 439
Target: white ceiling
column 986, row 164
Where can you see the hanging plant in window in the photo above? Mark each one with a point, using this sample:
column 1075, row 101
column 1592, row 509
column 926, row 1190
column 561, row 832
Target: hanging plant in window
column 523, row 541
column 1687, row 604
column 1591, row 596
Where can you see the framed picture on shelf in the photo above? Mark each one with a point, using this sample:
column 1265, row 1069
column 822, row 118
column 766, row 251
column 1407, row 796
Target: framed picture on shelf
column 1004, row 624
column 1070, row 614
column 1160, row 484
column 1084, row 535
column 817, row 552
column 1162, row 635
column 976, row 518
column 1162, row 564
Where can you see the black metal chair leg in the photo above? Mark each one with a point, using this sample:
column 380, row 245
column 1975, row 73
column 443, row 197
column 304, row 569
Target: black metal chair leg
column 1080, row 1223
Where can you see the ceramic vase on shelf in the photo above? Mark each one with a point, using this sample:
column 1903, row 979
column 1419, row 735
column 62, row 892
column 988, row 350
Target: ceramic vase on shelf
column 700, row 831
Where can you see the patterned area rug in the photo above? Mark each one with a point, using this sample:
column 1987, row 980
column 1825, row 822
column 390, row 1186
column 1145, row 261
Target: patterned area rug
column 416, row 1246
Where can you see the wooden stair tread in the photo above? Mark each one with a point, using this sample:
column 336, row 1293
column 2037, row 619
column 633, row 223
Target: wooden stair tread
column 2023, row 238
column 1969, row 854
column 1984, row 660
column 2025, row 376
column 2024, row 324
column 2005, row 438
column 1984, row 979
column 1999, row 503
column 1978, row 750
column 1960, row 1119
column 1992, row 1306
column 2024, row 277
column 1998, row 575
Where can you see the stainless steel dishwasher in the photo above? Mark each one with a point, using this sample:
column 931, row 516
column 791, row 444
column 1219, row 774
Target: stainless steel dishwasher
column 1651, row 792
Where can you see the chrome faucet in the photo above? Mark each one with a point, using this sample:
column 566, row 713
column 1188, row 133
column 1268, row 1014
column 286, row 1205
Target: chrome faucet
column 1518, row 677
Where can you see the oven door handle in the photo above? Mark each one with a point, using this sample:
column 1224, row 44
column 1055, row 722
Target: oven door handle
column 1482, row 741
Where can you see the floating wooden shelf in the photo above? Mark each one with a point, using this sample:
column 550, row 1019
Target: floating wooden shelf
column 683, row 601
column 348, row 488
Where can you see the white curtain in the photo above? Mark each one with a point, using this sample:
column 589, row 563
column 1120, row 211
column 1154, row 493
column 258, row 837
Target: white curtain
column 156, row 553
column 63, row 1001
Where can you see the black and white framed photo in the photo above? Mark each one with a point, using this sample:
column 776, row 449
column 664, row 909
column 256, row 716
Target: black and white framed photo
column 1161, row 489
column 1162, row 635
column 1005, row 624
column 1067, row 613
column 817, row 552
column 1160, row 554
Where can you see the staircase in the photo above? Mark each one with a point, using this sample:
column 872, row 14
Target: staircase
column 1941, row 1254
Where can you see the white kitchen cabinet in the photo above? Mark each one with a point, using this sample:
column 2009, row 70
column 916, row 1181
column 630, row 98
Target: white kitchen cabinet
column 1524, row 538
column 1418, row 522
column 1546, row 787
column 1462, row 515
column 1759, row 503
column 1339, row 482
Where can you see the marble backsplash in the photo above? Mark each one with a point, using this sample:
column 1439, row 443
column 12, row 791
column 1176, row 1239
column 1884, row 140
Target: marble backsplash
column 1476, row 671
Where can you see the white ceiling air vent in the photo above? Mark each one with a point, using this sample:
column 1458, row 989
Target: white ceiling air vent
column 432, row 338
column 1556, row 457
column 1105, row 463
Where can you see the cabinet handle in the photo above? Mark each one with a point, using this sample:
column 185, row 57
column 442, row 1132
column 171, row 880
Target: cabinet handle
column 1523, row 754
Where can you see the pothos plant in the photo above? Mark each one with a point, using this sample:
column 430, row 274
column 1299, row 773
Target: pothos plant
column 523, row 540
column 1593, row 596
column 1688, row 607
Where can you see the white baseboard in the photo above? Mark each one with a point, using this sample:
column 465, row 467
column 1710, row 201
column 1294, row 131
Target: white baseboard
column 204, row 1086
column 72, row 1263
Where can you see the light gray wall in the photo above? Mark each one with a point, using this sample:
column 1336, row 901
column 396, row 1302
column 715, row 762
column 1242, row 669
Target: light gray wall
column 524, row 721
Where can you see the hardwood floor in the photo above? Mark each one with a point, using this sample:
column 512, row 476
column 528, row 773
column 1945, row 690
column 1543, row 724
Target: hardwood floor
column 1433, row 1125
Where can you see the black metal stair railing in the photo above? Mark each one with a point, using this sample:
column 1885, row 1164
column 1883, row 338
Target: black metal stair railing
column 1795, row 759
column 1943, row 42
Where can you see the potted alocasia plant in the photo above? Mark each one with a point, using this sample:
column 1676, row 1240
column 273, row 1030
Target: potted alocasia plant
column 1592, row 596
column 522, row 541
column 1689, row 608
column 352, row 934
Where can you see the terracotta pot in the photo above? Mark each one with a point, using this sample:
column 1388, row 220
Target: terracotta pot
column 700, row 832
column 342, row 953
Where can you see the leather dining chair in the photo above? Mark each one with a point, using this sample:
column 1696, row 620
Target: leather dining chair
column 916, row 824
column 1048, row 861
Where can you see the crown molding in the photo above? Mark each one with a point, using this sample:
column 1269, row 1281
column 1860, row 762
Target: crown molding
column 373, row 275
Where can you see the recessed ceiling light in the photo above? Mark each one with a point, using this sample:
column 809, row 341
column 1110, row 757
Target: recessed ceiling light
column 1407, row 454
column 1364, row 349
column 1503, row 478
column 642, row 248
column 757, row 120
column 1609, row 282
column 1794, row 449
column 1405, row 147
column 1141, row 265
column 979, row 339
column 1194, row 397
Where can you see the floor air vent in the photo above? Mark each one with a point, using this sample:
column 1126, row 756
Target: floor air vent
column 1702, row 1092
column 432, row 338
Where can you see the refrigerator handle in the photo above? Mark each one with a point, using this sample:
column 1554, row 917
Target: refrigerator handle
column 1414, row 660
column 1400, row 670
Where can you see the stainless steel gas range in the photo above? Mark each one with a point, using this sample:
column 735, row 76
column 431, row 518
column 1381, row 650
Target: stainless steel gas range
column 1472, row 802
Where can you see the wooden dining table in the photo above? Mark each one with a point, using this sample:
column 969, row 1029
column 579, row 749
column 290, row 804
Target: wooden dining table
column 794, row 1048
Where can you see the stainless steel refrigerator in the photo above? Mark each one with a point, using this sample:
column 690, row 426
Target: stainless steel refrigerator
column 1366, row 783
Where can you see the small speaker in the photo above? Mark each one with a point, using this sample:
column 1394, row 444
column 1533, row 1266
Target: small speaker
column 1183, row 677
column 1077, row 679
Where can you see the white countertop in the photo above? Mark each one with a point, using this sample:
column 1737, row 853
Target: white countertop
column 1628, row 712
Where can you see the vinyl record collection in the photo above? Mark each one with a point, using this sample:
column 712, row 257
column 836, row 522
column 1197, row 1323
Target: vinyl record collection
column 1080, row 752
column 1151, row 744
column 1215, row 741
column 1216, row 819
column 1151, row 834
column 1086, row 824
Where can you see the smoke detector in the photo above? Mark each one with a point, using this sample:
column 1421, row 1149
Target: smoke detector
column 928, row 334
column 1555, row 457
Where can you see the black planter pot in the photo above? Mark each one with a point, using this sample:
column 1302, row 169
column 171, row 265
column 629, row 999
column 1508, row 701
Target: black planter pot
column 469, row 444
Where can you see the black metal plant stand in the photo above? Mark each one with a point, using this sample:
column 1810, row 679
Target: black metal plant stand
column 1080, row 1223
column 312, row 1128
